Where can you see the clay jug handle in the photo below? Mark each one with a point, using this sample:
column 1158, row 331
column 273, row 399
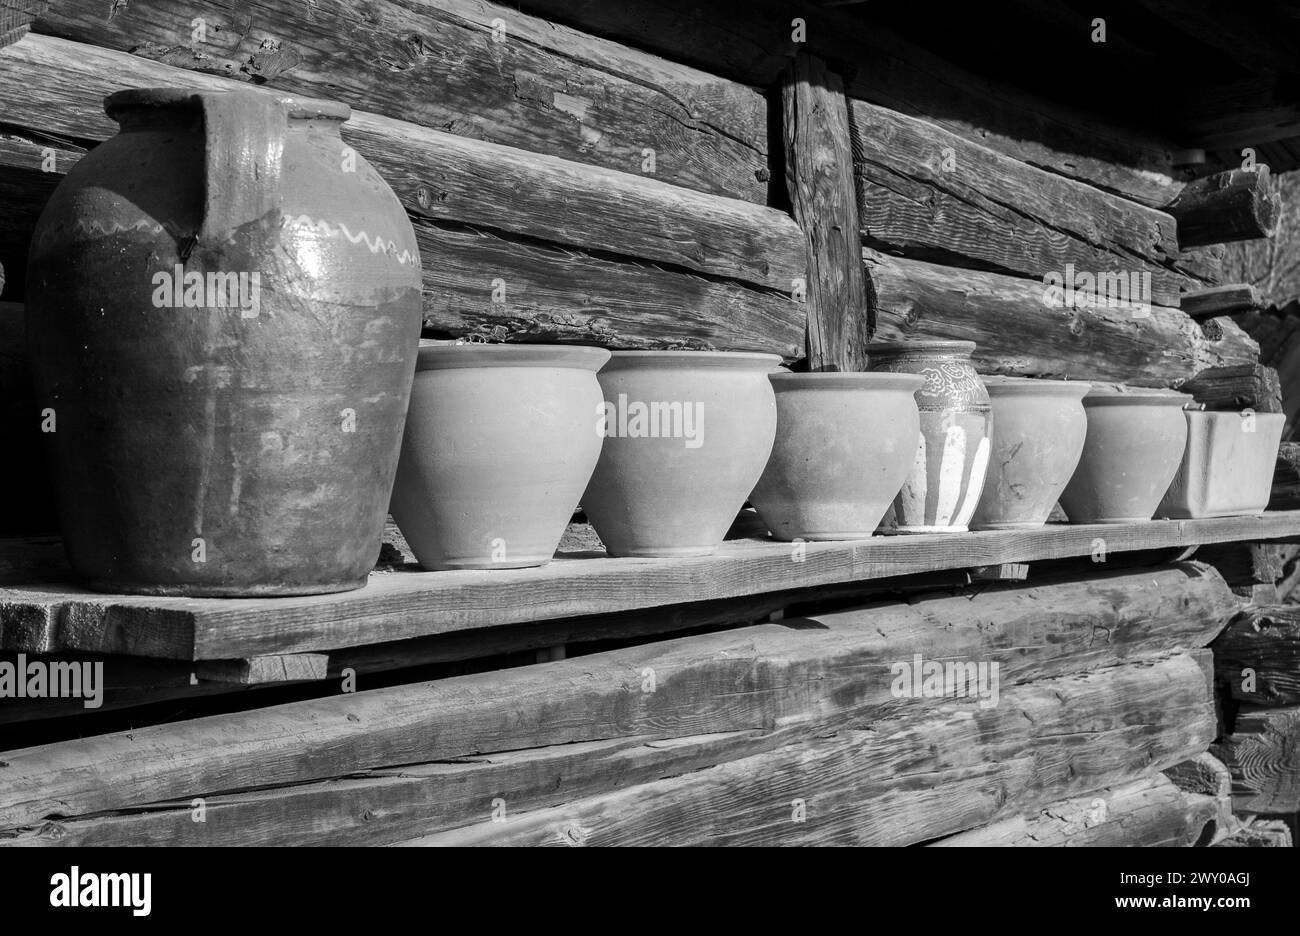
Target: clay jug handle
column 243, row 143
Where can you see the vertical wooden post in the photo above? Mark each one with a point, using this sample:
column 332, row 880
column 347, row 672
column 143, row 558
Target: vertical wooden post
column 819, row 175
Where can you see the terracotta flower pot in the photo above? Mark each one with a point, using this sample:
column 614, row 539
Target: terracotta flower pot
column 1133, row 448
column 223, row 310
column 687, row 434
column 500, row 442
column 1227, row 467
column 1038, row 431
column 844, row 444
column 947, row 475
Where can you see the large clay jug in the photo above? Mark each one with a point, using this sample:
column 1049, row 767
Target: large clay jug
column 223, row 317
column 940, row 493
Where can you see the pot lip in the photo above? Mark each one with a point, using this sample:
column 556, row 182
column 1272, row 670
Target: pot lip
column 846, row 380
column 294, row 105
column 1224, row 414
column 1113, row 395
column 746, row 360
column 439, row 356
column 905, row 347
column 999, row 385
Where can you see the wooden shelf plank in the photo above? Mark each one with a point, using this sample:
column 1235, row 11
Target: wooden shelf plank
column 406, row 604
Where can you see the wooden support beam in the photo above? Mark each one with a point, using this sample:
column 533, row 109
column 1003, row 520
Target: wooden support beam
column 819, row 177
column 798, row 673
column 1263, row 754
column 410, row 604
column 905, row 780
column 1261, row 833
column 1150, row 812
column 1022, row 329
column 1231, row 299
column 927, row 193
column 1240, row 204
column 1237, row 387
column 1257, row 657
column 16, row 17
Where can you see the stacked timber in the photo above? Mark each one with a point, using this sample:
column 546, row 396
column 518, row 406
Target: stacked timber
column 1257, row 662
column 825, row 728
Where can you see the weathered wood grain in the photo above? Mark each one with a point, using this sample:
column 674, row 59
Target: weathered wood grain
column 290, row 667
column 819, row 179
column 1237, row 387
column 1220, row 300
column 1207, row 776
column 58, row 86
column 403, row 605
column 1022, row 329
column 1257, row 657
column 1263, row 755
column 930, row 194
column 482, row 285
column 526, row 83
column 1151, row 812
column 753, row 40
column 1240, row 204
column 794, row 672
column 902, row 781
column 1286, row 478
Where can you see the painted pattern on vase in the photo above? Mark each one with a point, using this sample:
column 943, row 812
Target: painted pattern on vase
column 952, row 455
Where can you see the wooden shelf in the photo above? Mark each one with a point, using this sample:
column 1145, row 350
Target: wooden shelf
column 405, row 604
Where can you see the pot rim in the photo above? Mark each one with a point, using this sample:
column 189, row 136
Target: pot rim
column 295, row 106
column 905, row 347
column 1139, row 396
column 745, row 360
column 1205, row 414
column 846, row 380
column 999, row 385
column 477, row 354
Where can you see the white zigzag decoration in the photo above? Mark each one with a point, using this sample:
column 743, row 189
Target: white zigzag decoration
column 376, row 245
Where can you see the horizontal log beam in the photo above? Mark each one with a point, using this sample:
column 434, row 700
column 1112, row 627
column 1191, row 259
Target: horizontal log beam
column 1231, row 299
column 906, row 780
column 1240, row 204
column 1237, row 387
column 501, row 76
column 1021, row 327
column 753, row 40
column 1150, row 812
column 930, row 194
column 651, row 264
column 797, row 672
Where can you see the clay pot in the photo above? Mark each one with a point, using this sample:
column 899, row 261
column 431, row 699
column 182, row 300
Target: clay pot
column 500, row 442
column 223, row 310
column 947, row 475
column 1134, row 445
column 687, row 434
column 1227, row 467
column 1038, row 431
column 844, row 444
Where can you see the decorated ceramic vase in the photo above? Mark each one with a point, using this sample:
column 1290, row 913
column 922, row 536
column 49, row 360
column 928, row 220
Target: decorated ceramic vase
column 223, row 315
column 952, row 454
